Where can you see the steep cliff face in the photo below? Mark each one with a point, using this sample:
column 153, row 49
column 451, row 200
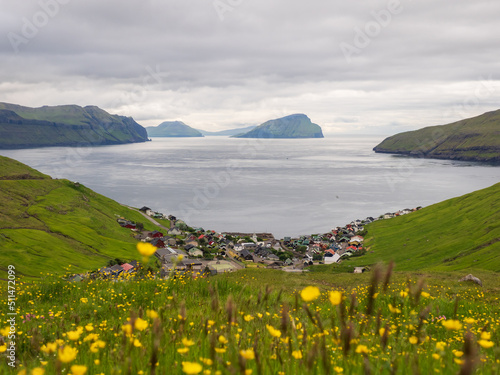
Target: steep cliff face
column 293, row 126
column 474, row 139
column 68, row 125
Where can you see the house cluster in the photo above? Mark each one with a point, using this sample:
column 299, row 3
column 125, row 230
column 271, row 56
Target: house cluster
column 119, row 269
column 181, row 248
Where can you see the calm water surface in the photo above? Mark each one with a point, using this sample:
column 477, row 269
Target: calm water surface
column 288, row 187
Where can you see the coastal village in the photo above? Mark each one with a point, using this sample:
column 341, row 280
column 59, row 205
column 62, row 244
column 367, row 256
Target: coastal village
column 181, row 248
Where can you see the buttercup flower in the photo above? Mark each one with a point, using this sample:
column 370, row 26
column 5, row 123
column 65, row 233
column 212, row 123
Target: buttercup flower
column 310, row 293
column 335, row 297
column 247, row 354
column 67, row 354
column 191, row 368
column 78, row 369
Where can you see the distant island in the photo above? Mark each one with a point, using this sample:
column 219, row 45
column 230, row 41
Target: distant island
column 473, row 139
column 293, row 126
column 65, row 125
column 228, row 132
column 173, row 129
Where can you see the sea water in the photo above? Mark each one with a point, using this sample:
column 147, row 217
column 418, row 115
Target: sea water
column 289, row 187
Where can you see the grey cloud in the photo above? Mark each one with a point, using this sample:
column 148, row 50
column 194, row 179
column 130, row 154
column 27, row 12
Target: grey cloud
column 262, row 60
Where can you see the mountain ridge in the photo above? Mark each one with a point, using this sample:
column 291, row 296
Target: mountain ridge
column 176, row 129
column 66, row 125
column 292, row 126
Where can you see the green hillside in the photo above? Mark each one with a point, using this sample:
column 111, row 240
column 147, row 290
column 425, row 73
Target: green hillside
column 474, row 139
column 66, row 125
column 457, row 234
column 293, row 126
column 48, row 224
column 172, row 129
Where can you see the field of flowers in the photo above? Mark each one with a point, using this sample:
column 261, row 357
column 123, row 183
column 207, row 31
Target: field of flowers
column 235, row 324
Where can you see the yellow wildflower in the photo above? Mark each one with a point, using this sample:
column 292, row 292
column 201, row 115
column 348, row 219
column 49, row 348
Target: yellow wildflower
column 187, row 342
column 146, row 249
column 394, row 310
column 78, row 369
column 413, row 340
column 50, row 347
column 435, row 356
column 362, row 349
column 3, row 348
column 248, row 318
column 94, row 347
column 89, row 327
column 38, row 371
column 220, row 350
column 335, row 297
column 452, row 324
column 73, row 335
column 274, row 332
column 152, row 314
column 223, row 340
column 470, row 320
column 441, row 345
column 182, row 350
column 297, row 354
column 84, row 300
column 247, row 354
column 486, row 344
column 91, row 337
column 338, row 369
column 485, row 335
column 137, row 343
column 207, row 361
column 67, row 354
column 191, row 368
column 425, row 294
column 310, row 293
column 140, row 324
column 127, row 328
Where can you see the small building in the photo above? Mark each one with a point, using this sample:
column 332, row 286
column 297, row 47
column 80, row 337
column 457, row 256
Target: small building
column 245, row 254
column 174, row 231
column 331, row 257
column 155, row 234
column 195, row 252
column 360, row 269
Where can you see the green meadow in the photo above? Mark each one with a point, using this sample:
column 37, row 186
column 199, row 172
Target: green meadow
column 47, row 225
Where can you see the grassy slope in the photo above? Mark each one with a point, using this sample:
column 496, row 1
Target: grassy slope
column 477, row 138
column 457, row 234
column 46, row 225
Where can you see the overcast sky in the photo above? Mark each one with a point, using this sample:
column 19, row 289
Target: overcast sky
column 351, row 66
